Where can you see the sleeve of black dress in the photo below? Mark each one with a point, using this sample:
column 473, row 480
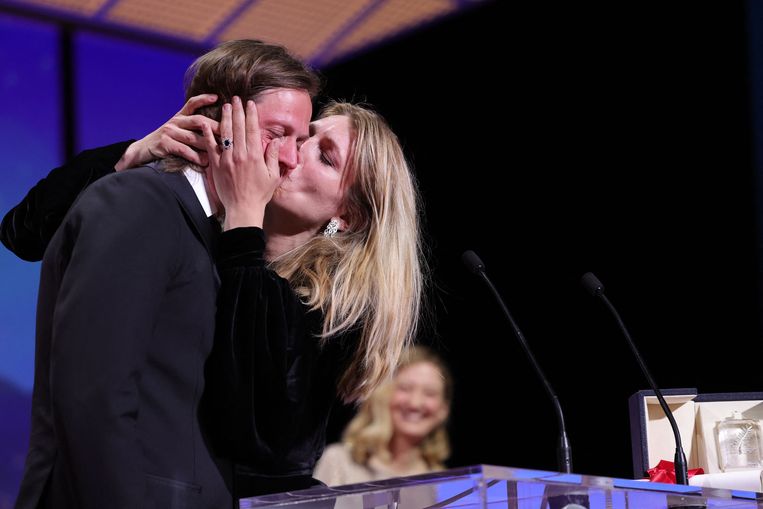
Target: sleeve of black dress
column 270, row 382
column 28, row 227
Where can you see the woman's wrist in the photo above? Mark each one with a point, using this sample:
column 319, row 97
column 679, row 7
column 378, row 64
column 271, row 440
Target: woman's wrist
column 241, row 247
column 239, row 217
column 128, row 158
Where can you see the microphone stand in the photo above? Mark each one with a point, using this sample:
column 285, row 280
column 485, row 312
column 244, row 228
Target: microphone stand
column 682, row 476
column 596, row 289
column 563, row 451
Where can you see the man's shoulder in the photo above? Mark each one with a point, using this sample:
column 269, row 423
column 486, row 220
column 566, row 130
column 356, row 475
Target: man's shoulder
column 128, row 201
column 134, row 189
column 141, row 177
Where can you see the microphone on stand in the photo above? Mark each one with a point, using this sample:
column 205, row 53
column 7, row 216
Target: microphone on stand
column 564, row 454
column 592, row 284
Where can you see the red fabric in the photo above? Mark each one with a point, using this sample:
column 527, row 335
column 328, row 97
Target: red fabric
column 665, row 472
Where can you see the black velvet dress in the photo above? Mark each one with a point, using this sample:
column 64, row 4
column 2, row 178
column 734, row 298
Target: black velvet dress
column 270, row 384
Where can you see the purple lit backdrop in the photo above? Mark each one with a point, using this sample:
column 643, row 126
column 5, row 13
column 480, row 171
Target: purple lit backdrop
column 131, row 91
column 29, row 142
column 124, row 90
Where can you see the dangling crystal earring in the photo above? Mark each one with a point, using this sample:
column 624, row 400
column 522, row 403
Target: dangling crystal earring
column 331, row 228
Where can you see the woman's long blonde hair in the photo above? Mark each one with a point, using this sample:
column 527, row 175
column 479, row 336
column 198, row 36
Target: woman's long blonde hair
column 370, row 277
column 370, row 431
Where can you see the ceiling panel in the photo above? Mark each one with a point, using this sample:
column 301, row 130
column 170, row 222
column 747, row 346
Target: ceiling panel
column 86, row 7
column 319, row 31
column 390, row 18
column 195, row 19
column 303, row 27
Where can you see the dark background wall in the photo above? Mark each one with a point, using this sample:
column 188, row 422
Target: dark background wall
column 552, row 139
column 556, row 139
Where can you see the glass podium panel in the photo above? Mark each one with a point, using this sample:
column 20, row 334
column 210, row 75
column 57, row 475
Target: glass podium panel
column 488, row 486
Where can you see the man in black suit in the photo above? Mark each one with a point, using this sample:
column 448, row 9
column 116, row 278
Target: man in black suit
column 126, row 311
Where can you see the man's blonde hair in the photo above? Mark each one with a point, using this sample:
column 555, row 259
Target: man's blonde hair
column 245, row 68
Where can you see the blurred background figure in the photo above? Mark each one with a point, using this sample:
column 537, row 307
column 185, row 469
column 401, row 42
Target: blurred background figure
column 399, row 430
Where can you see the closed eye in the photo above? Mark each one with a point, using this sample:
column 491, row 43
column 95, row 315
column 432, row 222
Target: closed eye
column 326, row 160
column 273, row 133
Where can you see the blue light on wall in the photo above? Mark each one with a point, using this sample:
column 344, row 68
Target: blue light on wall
column 123, row 90
column 30, row 144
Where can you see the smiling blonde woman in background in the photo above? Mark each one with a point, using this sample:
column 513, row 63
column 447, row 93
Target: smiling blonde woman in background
column 399, row 430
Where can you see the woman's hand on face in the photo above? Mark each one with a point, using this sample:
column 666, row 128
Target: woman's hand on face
column 179, row 136
column 244, row 176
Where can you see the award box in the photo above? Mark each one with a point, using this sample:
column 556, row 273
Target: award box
column 697, row 416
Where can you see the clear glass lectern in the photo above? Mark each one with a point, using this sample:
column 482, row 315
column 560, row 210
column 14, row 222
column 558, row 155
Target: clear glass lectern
column 487, row 486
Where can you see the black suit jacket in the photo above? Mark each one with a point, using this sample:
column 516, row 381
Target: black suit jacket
column 125, row 322
column 269, row 383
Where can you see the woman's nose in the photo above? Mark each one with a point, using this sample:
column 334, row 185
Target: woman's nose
column 416, row 400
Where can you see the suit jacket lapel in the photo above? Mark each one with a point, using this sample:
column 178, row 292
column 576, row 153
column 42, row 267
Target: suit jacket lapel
column 185, row 195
